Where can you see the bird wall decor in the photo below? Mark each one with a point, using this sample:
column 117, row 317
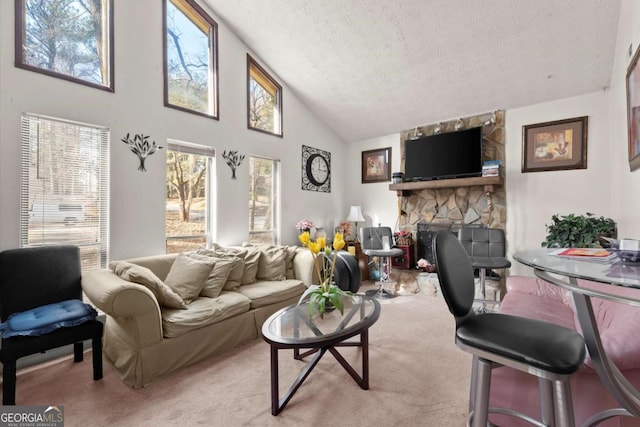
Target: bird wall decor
column 233, row 161
column 141, row 147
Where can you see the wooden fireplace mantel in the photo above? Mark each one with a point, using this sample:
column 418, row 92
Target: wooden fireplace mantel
column 487, row 181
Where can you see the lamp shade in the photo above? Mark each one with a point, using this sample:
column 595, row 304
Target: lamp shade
column 355, row 214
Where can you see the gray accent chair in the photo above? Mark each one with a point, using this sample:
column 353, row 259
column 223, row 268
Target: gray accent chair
column 378, row 242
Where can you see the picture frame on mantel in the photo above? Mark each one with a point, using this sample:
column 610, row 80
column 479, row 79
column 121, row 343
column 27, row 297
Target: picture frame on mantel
column 376, row 165
column 557, row 145
column 633, row 111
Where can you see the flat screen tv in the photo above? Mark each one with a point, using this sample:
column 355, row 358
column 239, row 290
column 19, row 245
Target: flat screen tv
column 444, row 156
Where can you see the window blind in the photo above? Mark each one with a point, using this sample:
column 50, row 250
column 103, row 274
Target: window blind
column 65, row 186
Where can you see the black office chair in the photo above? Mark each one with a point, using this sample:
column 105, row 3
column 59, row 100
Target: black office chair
column 548, row 351
column 487, row 250
column 35, row 277
column 378, row 242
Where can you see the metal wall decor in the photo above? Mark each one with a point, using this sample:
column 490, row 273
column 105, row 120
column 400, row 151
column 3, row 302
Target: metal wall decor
column 233, row 160
column 316, row 169
column 141, row 147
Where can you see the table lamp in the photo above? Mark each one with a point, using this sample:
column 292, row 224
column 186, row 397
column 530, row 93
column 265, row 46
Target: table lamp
column 355, row 215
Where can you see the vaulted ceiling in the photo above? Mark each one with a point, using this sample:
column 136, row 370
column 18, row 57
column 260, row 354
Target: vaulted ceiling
column 369, row 68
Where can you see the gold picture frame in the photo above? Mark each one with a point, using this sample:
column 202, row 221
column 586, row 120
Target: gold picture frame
column 557, row 145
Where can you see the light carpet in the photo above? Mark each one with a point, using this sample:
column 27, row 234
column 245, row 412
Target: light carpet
column 418, row 377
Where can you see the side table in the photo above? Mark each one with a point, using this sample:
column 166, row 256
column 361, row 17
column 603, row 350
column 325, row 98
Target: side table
column 406, row 259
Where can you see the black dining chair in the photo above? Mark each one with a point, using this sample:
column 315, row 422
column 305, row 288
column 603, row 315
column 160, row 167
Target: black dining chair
column 35, row 277
column 550, row 352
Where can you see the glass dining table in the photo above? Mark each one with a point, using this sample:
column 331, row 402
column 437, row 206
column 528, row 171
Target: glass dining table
column 565, row 272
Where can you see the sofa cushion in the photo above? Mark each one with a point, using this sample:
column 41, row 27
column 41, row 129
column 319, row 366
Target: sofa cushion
column 251, row 265
column 273, row 264
column 537, row 307
column 532, row 297
column 617, row 324
column 237, row 266
column 158, row 264
column 262, row 293
column 187, row 276
column 217, row 276
column 250, row 255
column 290, row 252
column 143, row 276
column 203, row 311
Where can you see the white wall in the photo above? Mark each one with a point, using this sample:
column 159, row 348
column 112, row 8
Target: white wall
column 625, row 184
column 532, row 198
column 379, row 204
column 137, row 198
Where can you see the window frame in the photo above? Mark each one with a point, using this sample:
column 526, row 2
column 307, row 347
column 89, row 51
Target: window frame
column 103, row 178
column 213, row 51
column 19, row 39
column 210, row 188
column 278, row 97
column 276, row 193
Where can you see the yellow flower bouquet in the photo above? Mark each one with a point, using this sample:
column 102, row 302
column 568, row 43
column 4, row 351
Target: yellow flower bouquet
column 326, row 294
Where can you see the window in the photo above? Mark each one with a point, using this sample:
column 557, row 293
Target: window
column 264, row 100
column 65, row 187
column 189, row 215
column 263, row 200
column 68, row 39
column 190, row 58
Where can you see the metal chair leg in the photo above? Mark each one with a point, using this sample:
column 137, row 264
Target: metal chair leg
column 563, row 404
column 545, row 391
column 481, row 398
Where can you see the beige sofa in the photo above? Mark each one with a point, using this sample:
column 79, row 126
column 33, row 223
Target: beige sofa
column 145, row 339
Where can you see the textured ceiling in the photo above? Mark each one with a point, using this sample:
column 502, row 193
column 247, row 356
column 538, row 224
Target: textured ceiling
column 369, row 68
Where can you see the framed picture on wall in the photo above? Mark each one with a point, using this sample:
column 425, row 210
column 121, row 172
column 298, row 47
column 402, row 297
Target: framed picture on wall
column 376, row 165
column 633, row 111
column 558, row 145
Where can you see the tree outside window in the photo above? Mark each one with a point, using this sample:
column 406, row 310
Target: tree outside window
column 69, row 39
column 190, row 58
column 264, row 100
column 188, row 202
column 263, row 196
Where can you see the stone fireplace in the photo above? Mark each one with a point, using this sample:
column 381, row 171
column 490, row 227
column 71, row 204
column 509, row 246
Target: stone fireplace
column 452, row 203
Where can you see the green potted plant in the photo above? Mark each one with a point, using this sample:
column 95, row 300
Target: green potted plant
column 578, row 231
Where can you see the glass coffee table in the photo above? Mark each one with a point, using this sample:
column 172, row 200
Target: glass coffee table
column 293, row 328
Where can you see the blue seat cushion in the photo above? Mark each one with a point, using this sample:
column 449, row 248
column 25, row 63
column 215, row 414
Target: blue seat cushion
column 44, row 319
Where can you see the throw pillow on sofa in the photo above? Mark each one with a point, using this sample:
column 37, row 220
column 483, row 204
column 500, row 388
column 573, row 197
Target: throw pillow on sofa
column 251, row 265
column 290, row 255
column 273, row 264
column 187, row 276
column 250, row 256
column 217, row 276
column 145, row 277
column 237, row 267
